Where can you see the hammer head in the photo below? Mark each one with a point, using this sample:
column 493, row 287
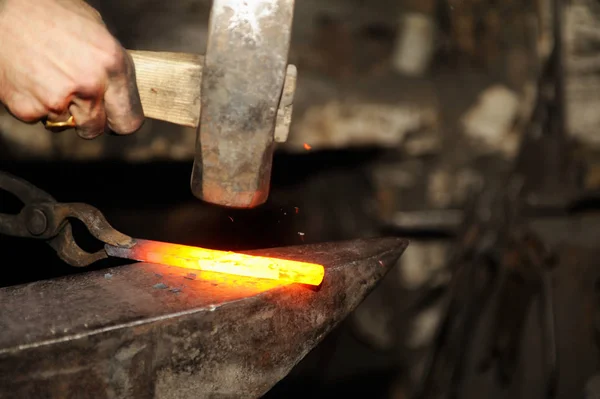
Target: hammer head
column 242, row 84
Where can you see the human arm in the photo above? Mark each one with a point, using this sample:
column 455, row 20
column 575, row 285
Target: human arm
column 58, row 58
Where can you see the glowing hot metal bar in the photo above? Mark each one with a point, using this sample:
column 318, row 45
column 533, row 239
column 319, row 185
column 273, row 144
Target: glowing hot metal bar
column 220, row 261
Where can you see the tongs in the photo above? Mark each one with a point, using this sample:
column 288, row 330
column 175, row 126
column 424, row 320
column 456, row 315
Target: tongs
column 44, row 218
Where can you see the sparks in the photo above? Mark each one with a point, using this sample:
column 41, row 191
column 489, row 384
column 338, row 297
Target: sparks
column 220, row 262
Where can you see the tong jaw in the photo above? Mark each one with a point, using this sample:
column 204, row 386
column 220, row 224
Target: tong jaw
column 64, row 243
column 44, row 218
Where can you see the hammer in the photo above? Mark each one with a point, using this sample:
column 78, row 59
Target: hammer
column 239, row 96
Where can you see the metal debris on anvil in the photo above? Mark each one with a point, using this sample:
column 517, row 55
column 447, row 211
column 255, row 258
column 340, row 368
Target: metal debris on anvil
column 190, row 276
column 227, row 337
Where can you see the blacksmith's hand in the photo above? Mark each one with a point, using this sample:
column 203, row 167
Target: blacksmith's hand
column 59, row 62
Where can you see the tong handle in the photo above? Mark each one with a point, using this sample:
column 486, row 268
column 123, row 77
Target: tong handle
column 57, row 220
column 44, row 218
column 94, row 220
column 27, row 193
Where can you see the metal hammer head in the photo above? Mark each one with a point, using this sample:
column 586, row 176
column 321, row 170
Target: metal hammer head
column 245, row 107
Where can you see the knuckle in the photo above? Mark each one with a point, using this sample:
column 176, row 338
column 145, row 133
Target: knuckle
column 90, row 84
column 58, row 101
column 95, row 14
column 25, row 109
column 26, row 114
column 114, row 56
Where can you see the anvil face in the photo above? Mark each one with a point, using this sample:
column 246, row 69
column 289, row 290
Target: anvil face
column 148, row 330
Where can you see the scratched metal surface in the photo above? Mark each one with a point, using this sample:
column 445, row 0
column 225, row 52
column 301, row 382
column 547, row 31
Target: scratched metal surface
column 121, row 336
column 242, row 81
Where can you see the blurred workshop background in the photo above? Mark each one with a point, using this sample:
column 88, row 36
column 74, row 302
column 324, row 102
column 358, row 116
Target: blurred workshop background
column 404, row 110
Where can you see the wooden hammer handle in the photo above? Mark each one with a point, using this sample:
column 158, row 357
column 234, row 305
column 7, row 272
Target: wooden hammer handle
column 169, row 85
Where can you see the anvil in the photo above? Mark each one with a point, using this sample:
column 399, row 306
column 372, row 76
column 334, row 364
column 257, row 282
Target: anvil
column 152, row 331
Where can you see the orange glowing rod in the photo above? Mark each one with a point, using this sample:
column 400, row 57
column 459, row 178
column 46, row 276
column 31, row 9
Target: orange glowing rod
column 220, row 261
